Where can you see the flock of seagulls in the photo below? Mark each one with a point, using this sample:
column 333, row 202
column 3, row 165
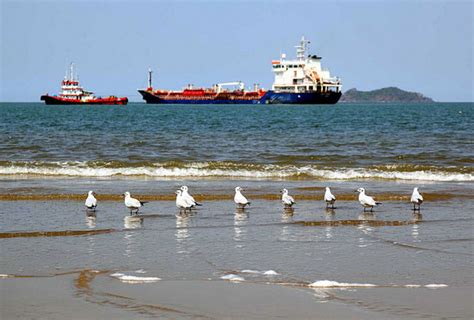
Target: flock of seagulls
column 185, row 201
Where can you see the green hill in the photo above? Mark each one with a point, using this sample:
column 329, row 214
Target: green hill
column 390, row 94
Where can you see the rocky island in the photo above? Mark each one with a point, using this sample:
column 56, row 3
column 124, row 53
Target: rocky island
column 384, row 95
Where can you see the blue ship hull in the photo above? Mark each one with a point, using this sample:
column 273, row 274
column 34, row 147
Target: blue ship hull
column 270, row 97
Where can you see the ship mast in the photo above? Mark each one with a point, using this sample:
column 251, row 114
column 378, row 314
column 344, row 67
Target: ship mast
column 149, row 77
column 71, row 71
column 301, row 49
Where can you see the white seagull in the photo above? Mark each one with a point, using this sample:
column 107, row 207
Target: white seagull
column 239, row 198
column 287, row 200
column 132, row 203
column 367, row 201
column 91, row 201
column 181, row 202
column 329, row 198
column 416, row 199
column 189, row 198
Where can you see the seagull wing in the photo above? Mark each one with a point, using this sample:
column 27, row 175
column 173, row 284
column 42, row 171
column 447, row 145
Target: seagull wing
column 132, row 202
column 240, row 199
column 91, row 202
column 182, row 203
column 367, row 200
column 289, row 200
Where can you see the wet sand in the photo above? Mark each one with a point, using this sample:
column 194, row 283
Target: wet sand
column 69, row 297
column 219, row 263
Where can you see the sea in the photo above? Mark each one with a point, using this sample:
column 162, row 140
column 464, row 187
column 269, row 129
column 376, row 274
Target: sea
column 221, row 262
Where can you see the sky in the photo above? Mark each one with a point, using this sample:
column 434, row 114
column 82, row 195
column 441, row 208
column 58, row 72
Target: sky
column 423, row 46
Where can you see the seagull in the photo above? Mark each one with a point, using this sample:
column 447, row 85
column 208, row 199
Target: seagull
column 181, row 202
column 132, row 203
column 91, row 201
column 189, row 198
column 329, row 198
column 367, row 201
column 239, row 198
column 416, row 199
column 287, row 200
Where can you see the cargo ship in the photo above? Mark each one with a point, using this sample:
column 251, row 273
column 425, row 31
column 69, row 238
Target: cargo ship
column 297, row 81
column 73, row 93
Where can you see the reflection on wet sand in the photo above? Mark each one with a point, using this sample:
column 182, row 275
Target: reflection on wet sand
column 240, row 219
column 182, row 233
column 285, row 230
column 367, row 216
column 366, row 230
column 289, row 211
column 133, row 222
column 414, row 232
column 90, row 213
column 417, row 216
column 90, row 222
column 130, row 223
column 329, row 216
column 330, row 212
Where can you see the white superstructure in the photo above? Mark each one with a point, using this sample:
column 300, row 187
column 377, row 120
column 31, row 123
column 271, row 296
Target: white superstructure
column 71, row 89
column 304, row 74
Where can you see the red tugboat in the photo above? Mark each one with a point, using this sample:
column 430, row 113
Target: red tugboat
column 73, row 93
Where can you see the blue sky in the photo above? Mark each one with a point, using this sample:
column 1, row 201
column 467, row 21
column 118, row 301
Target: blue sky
column 424, row 46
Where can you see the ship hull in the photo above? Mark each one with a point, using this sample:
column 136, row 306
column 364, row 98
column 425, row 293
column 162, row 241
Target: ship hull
column 149, row 97
column 270, row 97
column 97, row 101
column 302, row 98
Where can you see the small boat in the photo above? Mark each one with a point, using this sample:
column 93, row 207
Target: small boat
column 73, row 93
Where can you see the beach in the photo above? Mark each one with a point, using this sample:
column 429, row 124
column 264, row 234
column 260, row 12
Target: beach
column 219, row 262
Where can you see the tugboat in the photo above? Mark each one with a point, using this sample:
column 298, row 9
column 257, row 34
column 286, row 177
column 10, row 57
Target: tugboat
column 299, row 81
column 73, row 93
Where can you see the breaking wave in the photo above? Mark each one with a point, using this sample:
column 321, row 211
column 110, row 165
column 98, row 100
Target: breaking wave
column 175, row 169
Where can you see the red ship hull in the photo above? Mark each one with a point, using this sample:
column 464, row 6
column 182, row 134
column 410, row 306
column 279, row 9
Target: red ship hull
column 105, row 101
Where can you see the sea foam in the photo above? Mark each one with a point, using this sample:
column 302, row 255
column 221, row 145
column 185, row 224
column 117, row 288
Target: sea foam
column 335, row 284
column 233, row 278
column 134, row 279
column 265, row 273
column 227, row 169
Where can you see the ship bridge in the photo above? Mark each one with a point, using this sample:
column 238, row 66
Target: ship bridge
column 303, row 74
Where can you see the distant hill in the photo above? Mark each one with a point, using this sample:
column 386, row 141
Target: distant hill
column 390, row 94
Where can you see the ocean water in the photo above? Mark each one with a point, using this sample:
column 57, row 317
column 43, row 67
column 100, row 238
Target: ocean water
column 344, row 141
column 220, row 262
